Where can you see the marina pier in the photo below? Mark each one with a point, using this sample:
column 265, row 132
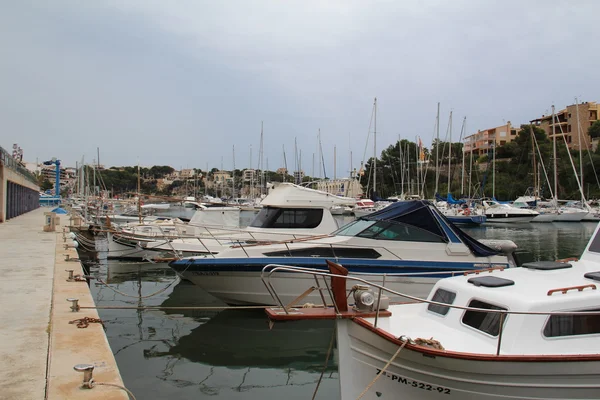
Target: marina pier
column 39, row 346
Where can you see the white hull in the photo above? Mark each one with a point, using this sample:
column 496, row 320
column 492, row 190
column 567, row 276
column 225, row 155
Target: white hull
column 592, row 217
column 248, row 288
column 117, row 250
column 509, row 218
column 413, row 376
column 571, row 217
column 547, row 217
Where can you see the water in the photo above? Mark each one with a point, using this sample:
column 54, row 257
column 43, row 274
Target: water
column 232, row 354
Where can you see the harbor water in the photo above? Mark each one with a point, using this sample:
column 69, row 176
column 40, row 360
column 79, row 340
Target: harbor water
column 232, row 354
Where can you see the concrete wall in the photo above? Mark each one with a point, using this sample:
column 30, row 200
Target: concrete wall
column 18, row 195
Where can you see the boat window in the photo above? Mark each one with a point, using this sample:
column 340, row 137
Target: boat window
column 572, row 325
column 398, row 231
column 442, row 296
column 337, row 252
column 488, row 322
column 270, row 217
column 595, row 245
column 353, row 228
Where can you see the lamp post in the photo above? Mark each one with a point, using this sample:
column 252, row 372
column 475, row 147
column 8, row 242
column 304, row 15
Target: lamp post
column 57, row 184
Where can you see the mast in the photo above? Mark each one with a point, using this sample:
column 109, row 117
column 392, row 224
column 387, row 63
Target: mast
column 449, row 150
column 494, row 168
column 283, row 175
column 580, row 157
column 535, row 177
column 233, row 175
column 401, row 168
column 139, row 195
column 462, row 178
column 251, row 176
column 334, row 163
column 375, row 146
column 417, row 163
column 555, row 164
column 470, row 167
column 437, row 149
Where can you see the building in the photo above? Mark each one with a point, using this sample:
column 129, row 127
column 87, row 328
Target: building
column 249, row 175
column 341, row 187
column 565, row 124
column 282, row 171
column 481, row 142
column 186, row 174
column 298, row 176
column 221, row 178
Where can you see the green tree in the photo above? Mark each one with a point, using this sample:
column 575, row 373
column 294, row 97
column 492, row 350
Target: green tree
column 594, row 130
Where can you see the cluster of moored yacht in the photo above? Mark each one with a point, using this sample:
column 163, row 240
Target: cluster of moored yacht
column 422, row 309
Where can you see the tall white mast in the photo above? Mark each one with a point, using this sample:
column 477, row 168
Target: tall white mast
column 375, row 146
column 462, row 177
column 449, row 150
column 233, row 175
column 437, row 149
column 580, row 158
column 555, row 163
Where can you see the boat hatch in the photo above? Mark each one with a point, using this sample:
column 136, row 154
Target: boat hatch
column 490, row 281
column 335, row 252
column 593, row 275
column 546, row 265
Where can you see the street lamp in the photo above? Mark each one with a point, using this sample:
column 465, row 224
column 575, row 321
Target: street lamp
column 57, row 184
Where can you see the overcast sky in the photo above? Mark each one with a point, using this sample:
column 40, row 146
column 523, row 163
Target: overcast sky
column 180, row 82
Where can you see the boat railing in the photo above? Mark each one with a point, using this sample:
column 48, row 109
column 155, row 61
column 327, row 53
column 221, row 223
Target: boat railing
column 269, row 270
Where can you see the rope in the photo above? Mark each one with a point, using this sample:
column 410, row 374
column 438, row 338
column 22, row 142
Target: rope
column 117, row 386
column 176, row 308
column 382, row 371
column 326, row 362
column 177, row 279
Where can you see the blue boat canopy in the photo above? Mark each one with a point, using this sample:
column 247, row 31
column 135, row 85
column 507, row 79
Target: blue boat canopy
column 424, row 215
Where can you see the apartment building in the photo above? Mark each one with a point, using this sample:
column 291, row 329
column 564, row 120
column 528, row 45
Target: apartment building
column 482, row 142
column 566, row 126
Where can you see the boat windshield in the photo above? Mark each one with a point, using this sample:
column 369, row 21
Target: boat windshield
column 385, row 230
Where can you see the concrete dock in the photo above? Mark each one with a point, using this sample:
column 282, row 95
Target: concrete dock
column 38, row 345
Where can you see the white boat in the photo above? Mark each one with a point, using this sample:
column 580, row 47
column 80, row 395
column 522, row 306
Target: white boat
column 520, row 333
column 497, row 212
column 289, row 212
column 410, row 245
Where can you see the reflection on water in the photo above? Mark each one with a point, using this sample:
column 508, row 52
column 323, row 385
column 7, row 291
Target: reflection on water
column 197, row 353
column 232, row 354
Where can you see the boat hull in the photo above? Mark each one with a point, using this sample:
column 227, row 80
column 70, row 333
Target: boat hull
column 466, row 219
column 241, row 284
column 571, row 217
column 516, row 218
column 546, row 217
column 417, row 375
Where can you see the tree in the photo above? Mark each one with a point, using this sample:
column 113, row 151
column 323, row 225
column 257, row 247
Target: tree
column 594, row 130
column 45, row 185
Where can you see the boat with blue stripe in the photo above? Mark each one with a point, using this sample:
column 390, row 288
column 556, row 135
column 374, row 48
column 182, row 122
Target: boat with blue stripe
column 408, row 246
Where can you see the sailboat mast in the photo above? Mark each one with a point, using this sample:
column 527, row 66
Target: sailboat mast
column 375, row 146
column 494, row 168
column 139, row 195
column 437, row 149
column 580, row 158
column 462, row 177
column 334, row 162
column 535, row 177
column 555, row 163
column 233, row 175
column 470, row 168
column 449, row 151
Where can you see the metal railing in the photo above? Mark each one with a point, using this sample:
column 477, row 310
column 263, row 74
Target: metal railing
column 271, row 269
column 8, row 161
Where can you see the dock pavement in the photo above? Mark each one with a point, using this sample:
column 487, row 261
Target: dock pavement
column 38, row 345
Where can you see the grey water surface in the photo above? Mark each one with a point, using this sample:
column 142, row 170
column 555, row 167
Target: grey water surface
column 232, row 354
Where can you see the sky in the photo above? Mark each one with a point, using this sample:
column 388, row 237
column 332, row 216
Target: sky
column 182, row 83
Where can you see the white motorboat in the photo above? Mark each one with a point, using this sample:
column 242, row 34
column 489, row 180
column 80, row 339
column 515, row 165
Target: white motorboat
column 410, row 245
column 289, row 212
column 497, row 212
column 520, row 333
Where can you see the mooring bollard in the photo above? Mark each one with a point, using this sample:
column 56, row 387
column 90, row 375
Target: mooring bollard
column 70, row 271
column 87, row 369
column 74, row 304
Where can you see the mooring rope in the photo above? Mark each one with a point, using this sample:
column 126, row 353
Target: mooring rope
column 190, row 308
column 382, row 371
column 117, row 386
column 326, row 362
